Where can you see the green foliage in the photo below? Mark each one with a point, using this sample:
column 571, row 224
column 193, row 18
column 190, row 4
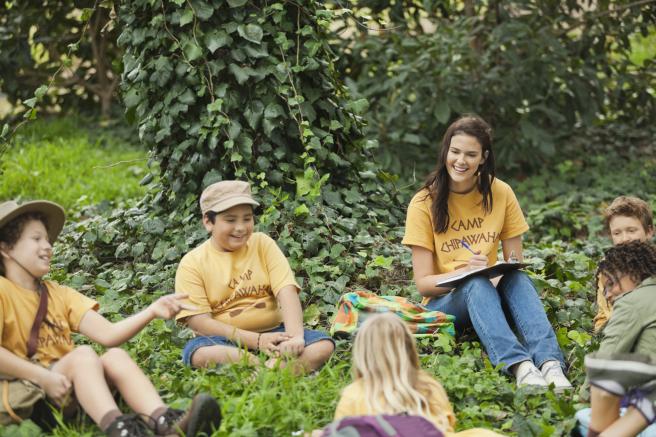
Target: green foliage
column 538, row 71
column 97, row 256
column 567, row 202
column 64, row 161
column 236, row 90
column 38, row 38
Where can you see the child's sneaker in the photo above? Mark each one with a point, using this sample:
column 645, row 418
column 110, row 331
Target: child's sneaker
column 552, row 372
column 128, row 425
column 203, row 416
column 527, row 374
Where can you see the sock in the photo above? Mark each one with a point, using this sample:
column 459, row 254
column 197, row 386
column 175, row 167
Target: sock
column 158, row 412
column 108, row 419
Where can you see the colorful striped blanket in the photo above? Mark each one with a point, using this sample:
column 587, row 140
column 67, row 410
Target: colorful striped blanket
column 354, row 307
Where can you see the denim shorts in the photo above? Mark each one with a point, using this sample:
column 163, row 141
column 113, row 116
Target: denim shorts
column 196, row 343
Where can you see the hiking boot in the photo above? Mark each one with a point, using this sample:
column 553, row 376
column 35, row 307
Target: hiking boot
column 203, row 416
column 552, row 372
column 527, row 374
column 128, row 425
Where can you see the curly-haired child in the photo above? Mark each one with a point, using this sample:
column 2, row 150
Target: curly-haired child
column 625, row 365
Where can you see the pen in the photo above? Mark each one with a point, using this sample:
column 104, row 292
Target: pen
column 467, row 246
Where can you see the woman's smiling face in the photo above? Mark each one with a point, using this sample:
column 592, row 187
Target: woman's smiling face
column 464, row 157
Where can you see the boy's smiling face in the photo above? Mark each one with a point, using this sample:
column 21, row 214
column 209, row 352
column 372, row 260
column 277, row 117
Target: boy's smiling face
column 32, row 250
column 625, row 228
column 231, row 228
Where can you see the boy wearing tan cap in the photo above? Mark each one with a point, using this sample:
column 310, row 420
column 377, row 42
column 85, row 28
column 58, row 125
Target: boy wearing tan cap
column 244, row 290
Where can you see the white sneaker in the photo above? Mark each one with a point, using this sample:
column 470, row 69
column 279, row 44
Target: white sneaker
column 527, row 374
column 553, row 374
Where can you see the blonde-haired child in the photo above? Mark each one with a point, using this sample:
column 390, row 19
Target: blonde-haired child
column 388, row 378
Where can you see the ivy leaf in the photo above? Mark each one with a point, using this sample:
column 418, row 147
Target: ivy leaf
column 358, row 106
column 302, row 209
column 240, row 74
column 273, row 110
column 191, row 50
column 203, row 10
column 217, row 39
column 236, row 3
column 187, row 17
column 30, row 102
column 250, row 32
column 40, row 91
column 442, row 111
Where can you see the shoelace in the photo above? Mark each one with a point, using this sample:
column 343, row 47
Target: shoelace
column 531, row 371
column 131, row 425
column 549, row 369
column 167, row 420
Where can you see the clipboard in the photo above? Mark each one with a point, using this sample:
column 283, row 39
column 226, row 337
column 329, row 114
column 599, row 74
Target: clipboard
column 498, row 269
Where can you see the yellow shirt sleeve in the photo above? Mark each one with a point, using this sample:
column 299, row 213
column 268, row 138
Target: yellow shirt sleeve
column 78, row 305
column 3, row 310
column 514, row 223
column 604, row 308
column 418, row 223
column 280, row 273
column 349, row 403
column 189, row 281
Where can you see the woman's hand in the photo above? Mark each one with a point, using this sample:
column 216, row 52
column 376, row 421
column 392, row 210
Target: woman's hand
column 57, row 386
column 476, row 262
column 166, row 307
column 269, row 341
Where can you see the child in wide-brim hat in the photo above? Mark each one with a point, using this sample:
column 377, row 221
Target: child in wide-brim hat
column 77, row 374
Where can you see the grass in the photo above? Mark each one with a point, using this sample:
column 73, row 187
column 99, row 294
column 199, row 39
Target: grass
column 72, row 162
column 562, row 205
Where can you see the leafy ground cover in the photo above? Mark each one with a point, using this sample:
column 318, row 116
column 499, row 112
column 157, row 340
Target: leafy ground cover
column 562, row 205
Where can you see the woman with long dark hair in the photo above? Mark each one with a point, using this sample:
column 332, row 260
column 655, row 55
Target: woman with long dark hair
column 454, row 224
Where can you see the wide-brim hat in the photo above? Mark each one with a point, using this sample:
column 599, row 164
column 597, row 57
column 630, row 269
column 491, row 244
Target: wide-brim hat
column 224, row 195
column 53, row 212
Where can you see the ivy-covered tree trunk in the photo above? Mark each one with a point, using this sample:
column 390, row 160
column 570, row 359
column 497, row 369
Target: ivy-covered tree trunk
column 237, row 89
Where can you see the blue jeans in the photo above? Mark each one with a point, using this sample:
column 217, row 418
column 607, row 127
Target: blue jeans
column 310, row 337
column 489, row 310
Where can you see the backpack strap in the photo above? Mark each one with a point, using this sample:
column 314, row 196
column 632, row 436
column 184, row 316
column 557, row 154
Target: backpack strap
column 33, row 340
column 5, row 402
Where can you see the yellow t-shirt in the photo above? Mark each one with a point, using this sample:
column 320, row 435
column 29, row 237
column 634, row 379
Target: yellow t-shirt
column 604, row 308
column 467, row 221
column 18, row 307
column 352, row 403
column 238, row 288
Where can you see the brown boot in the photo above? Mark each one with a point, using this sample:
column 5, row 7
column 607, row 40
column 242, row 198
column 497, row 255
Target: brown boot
column 128, row 425
column 203, row 416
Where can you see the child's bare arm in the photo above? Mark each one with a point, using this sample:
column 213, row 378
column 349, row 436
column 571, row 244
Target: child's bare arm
column 292, row 316
column 109, row 334
column 292, row 312
column 56, row 385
